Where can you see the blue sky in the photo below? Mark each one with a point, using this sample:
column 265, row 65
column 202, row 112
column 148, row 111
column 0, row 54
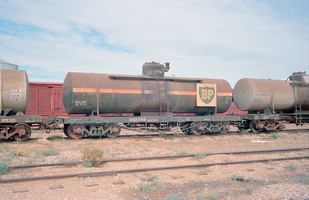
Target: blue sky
column 228, row 39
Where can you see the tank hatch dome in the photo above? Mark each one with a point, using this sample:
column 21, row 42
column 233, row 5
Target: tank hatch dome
column 300, row 77
column 6, row 65
column 155, row 69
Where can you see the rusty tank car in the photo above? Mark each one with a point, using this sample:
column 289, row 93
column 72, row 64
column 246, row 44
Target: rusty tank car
column 289, row 98
column 14, row 89
column 142, row 95
column 152, row 98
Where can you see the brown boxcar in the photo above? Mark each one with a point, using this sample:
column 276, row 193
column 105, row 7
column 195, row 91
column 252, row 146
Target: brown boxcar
column 45, row 99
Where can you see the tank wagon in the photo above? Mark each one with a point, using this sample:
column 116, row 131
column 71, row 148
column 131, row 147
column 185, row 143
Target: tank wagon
column 102, row 104
column 271, row 101
column 155, row 100
column 13, row 103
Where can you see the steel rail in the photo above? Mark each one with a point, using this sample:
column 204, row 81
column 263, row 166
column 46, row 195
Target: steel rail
column 179, row 134
column 110, row 173
column 296, row 130
column 160, row 157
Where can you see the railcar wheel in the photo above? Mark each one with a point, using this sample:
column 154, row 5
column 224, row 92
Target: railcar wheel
column 114, row 131
column 253, row 127
column 75, row 131
column 225, row 128
column 185, row 128
column 65, row 129
column 197, row 128
column 280, row 128
column 241, row 129
column 23, row 132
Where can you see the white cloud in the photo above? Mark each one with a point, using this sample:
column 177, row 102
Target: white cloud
column 226, row 39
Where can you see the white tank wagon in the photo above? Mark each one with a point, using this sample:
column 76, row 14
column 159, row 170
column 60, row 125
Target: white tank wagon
column 14, row 91
column 289, row 98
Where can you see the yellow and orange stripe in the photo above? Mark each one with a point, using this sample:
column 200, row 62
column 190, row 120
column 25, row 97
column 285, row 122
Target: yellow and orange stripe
column 130, row 91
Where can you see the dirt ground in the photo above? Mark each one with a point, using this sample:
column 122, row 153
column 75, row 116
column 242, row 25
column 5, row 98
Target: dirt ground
column 270, row 180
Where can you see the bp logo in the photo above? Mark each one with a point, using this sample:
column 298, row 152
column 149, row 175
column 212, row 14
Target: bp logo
column 206, row 95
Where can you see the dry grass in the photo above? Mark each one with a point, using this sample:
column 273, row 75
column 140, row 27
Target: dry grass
column 92, row 156
column 25, row 152
column 3, row 168
column 46, row 152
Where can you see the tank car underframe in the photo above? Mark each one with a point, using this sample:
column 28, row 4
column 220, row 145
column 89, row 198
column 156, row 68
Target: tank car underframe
column 261, row 122
column 79, row 127
column 17, row 127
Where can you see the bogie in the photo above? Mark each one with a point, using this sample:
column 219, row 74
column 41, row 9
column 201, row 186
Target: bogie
column 257, row 126
column 78, row 131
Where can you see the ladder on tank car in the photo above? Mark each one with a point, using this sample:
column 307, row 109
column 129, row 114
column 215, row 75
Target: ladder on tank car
column 163, row 102
column 298, row 107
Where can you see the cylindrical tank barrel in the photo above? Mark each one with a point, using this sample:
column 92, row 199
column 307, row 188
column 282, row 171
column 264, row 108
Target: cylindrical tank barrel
column 280, row 95
column 14, row 90
column 85, row 92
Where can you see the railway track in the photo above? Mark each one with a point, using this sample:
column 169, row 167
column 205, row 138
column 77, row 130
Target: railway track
column 181, row 135
column 295, row 130
column 115, row 172
column 112, row 173
column 168, row 135
column 161, row 157
column 178, row 134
